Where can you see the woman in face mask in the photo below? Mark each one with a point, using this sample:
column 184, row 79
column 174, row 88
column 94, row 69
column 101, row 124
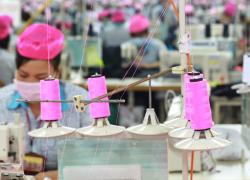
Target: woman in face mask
column 37, row 55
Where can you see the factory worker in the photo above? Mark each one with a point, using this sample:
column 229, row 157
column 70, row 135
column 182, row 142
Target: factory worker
column 189, row 11
column 104, row 15
column 150, row 48
column 117, row 29
column 112, row 38
column 128, row 8
column 7, row 60
column 104, row 18
column 229, row 12
column 37, row 46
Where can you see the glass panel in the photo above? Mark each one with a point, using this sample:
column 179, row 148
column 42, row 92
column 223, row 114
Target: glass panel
column 149, row 155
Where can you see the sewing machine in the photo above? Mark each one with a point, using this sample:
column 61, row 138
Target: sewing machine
column 198, row 31
column 10, row 171
column 11, row 149
column 214, row 65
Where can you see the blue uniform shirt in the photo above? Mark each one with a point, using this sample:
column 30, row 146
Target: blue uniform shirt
column 152, row 48
column 45, row 147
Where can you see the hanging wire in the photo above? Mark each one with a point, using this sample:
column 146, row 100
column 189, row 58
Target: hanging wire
column 141, row 52
column 85, row 36
column 190, row 68
column 48, row 36
column 49, row 75
column 140, row 55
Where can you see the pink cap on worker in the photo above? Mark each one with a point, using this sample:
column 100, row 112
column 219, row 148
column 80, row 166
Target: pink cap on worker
column 105, row 2
column 105, row 13
column 138, row 6
column 5, row 26
column 212, row 11
column 40, row 42
column 230, row 8
column 118, row 16
column 242, row 7
column 138, row 23
column 127, row 2
column 189, row 9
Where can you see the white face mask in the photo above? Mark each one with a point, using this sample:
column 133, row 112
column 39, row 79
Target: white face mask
column 27, row 90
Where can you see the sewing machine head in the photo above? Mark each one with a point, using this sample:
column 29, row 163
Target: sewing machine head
column 12, row 141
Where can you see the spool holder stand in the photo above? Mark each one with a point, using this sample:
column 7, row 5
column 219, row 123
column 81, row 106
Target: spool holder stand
column 51, row 129
column 100, row 128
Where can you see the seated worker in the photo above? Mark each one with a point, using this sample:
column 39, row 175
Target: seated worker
column 149, row 49
column 37, row 46
column 116, row 29
column 7, row 60
column 111, row 46
column 229, row 13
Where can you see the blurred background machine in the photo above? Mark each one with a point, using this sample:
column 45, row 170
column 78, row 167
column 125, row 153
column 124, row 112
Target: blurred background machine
column 12, row 149
column 213, row 65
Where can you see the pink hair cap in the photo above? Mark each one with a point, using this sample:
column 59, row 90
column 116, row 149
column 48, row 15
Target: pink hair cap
column 40, row 42
column 138, row 6
column 138, row 23
column 230, row 8
column 104, row 14
column 118, row 16
column 126, row 3
column 5, row 26
column 212, row 11
column 189, row 9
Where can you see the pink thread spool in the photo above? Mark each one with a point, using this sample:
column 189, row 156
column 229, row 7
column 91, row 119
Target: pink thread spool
column 97, row 87
column 188, row 97
column 201, row 111
column 50, row 90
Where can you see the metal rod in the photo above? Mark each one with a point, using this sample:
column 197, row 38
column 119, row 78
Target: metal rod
column 182, row 30
column 184, row 165
column 156, row 75
column 98, row 99
column 150, row 91
column 71, row 101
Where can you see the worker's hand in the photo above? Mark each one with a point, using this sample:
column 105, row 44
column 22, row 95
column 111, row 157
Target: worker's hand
column 50, row 174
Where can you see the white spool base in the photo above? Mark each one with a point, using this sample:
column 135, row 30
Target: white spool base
column 150, row 125
column 186, row 132
column 176, row 123
column 202, row 140
column 51, row 129
column 100, row 128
